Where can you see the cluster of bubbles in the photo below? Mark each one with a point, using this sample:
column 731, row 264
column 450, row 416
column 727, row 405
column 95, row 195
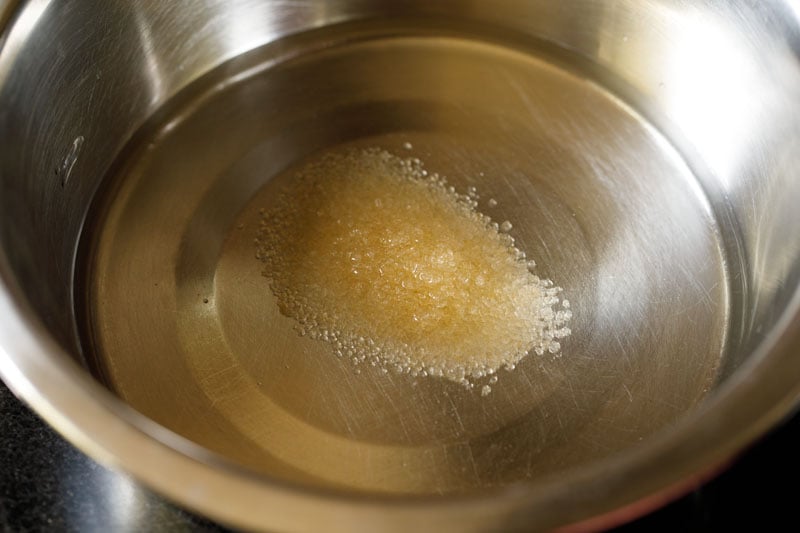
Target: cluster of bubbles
column 394, row 268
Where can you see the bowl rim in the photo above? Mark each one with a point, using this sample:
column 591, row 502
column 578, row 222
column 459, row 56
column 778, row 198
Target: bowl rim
column 760, row 393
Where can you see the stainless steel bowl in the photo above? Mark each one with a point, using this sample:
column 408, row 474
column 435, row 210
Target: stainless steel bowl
column 646, row 152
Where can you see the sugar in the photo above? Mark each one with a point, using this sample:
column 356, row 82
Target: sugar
column 388, row 263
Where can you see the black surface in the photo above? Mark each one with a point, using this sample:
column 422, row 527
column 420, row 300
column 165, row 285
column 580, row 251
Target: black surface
column 48, row 485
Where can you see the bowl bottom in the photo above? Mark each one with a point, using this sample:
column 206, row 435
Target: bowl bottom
column 183, row 326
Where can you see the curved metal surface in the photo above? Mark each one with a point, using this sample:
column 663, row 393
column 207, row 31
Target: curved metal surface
column 698, row 180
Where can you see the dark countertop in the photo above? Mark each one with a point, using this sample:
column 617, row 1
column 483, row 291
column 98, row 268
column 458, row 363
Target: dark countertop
column 48, row 485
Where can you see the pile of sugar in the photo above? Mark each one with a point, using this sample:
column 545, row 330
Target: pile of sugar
column 389, row 264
